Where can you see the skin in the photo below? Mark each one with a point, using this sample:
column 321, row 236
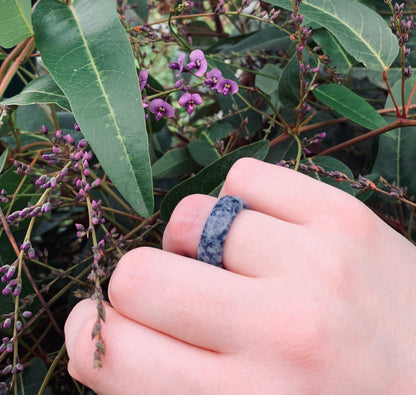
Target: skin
column 318, row 297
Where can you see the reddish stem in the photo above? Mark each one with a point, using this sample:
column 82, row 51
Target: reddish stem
column 399, row 123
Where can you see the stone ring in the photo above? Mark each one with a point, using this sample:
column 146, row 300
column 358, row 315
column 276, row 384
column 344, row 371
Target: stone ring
column 211, row 244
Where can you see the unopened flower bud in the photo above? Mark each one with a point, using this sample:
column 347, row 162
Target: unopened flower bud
column 26, row 245
column 7, row 322
column 27, row 314
column 31, row 253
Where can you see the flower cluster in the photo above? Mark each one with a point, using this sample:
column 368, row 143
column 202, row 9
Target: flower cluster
column 401, row 27
column 310, row 141
column 198, row 66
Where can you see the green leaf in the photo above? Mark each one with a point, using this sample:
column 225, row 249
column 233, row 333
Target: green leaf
column 7, row 256
column 141, row 11
column 288, row 88
column 203, row 152
column 396, row 159
column 15, row 22
column 331, row 46
column 87, row 52
column 219, row 130
column 3, row 158
column 394, row 74
column 268, row 38
column 33, row 378
column 361, row 31
column 331, row 164
column 211, row 177
column 350, row 105
column 267, row 81
column 175, row 163
column 289, row 82
column 31, row 118
column 40, row 90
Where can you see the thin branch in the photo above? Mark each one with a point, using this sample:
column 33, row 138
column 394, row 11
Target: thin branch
column 399, row 123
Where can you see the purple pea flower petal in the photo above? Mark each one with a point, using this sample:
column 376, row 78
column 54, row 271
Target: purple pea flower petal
column 227, row 86
column 198, row 62
column 178, row 65
column 214, row 76
column 143, row 75
column 160, row 108
column 190, row 100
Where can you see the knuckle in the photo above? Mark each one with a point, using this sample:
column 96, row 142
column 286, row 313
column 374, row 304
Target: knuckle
column 181, row 222
column 238, row 173
column 185, row 226
column 130, row 270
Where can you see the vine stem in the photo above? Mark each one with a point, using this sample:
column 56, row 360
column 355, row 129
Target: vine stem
column 409, row 101
column 299, row 155
column 12, row 55
column 29, row 44
column 284, row 136
column 399, row 123
column 51, row 369
column 386, row 80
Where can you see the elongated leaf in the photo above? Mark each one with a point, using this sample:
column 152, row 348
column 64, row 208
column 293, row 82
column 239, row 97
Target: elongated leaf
column 3, row 158
column 396, row 159
column 350, row 105
column 267, row 81
column 41, row 90
column 288, row 86
column 203, row 152
column 89, row 56
column 394, row 74
column 268, row 38
column 219, row 130
column 331, row 46
column 15, row 22
column 289, row 82
column 211, row 177
column 33, row 378
column 175, row 163
column 360, row 30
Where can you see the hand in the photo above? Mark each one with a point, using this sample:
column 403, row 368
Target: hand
column 319, row 297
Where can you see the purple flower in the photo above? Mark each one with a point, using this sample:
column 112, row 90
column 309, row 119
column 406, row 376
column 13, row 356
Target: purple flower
column 178, row 65
column 143, row 75
column 214, row 76
column 198, row 62
column 190, row 100
column 160, row 108
column 225, row 86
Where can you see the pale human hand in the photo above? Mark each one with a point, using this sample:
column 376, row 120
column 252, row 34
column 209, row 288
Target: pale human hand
column 319, row 297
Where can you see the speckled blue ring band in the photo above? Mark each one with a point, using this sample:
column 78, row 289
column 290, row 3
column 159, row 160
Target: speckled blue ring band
column 211, row 244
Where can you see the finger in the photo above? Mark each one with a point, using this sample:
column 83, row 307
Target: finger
column 186, row 223
column 282, row 193
column 256, row 245
column 187, row 299
column 144, row 361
